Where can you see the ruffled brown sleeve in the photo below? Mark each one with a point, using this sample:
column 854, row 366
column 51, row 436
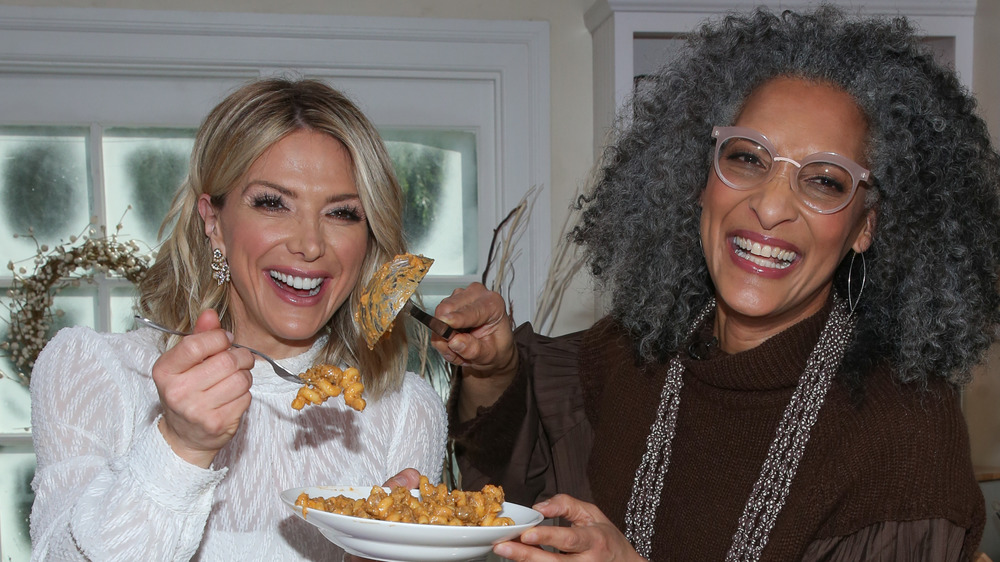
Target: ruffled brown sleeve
column 924, row 540
column 535, row 439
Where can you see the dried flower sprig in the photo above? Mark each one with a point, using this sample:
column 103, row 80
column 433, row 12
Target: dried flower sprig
column 65, row 265
column 505, row 238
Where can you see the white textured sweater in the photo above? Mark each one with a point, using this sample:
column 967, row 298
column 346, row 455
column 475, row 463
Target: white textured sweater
column 108, row 487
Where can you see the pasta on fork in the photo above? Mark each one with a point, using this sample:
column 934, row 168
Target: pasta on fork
column 324, row 381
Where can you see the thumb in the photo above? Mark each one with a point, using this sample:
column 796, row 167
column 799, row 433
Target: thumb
column 571, row 509
column 207, row 320
column 408, row 478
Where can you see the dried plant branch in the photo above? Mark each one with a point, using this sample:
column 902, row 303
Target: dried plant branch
column 506, row 237
column 566, row 262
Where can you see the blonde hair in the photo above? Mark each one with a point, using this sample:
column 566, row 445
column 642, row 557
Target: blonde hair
column 179, row 285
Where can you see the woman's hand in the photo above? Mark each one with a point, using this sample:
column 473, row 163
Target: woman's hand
column 484, row 349
column 486, row 346
column 204, row 388
column 591, row 537
column 408, row 478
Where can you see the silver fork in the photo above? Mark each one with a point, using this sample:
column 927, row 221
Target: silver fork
column 278, row 369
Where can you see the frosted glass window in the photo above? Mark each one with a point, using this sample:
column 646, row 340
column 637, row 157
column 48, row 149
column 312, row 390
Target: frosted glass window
column 143, row 168
column 652, row 51
column 122, row 303
column 15, row 408
column 943, row 49
column 71, row 307
column 17, row 464
column 43, row 187
column 437, row 171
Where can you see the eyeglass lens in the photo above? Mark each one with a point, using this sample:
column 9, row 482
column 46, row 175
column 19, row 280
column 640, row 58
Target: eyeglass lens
column 744, row 163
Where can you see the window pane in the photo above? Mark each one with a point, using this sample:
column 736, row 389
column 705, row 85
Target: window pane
column 43, row 188
column 72, row 307
column 437, row 171
column 122, row 308
column 17, row 463
column 15, row 407
column 143, row 168
column 15, row 416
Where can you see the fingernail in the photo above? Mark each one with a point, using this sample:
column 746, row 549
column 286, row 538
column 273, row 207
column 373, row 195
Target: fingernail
column 456, row 345
column 503, row 550
column 230, row 336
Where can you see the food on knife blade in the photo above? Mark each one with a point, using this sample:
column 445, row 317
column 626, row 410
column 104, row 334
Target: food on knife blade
column 387, row 292
column 323, row 381
column 435, row 506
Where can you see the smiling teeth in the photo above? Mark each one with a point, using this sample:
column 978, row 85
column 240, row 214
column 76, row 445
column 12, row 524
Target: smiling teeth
column 302, row 283
column 763, row 254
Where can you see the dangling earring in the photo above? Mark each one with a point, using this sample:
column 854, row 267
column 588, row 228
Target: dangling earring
column 853, row 301
column 220, row 268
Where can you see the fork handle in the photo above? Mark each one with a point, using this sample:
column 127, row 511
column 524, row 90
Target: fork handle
column 278, row 369
column 432, row 322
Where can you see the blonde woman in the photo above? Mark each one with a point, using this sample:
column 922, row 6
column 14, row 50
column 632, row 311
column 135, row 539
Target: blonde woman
column 163, row 449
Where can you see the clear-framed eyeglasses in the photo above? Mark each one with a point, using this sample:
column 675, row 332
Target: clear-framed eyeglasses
column 825, row 181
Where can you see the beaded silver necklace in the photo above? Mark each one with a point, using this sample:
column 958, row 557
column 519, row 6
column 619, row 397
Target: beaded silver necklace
column 783, row 456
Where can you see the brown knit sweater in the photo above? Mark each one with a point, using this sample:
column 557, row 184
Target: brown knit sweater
column 887, row 478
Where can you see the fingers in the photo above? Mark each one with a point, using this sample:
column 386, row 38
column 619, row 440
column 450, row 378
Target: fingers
column 474, row 307
column 571, row 509
column 209, row 340
column 209, row 360
column 408, row 478
column 487, row 345
column 467, row 350
column 214, row 381
column 523, row 553
column 591, row 537
column 204, row 388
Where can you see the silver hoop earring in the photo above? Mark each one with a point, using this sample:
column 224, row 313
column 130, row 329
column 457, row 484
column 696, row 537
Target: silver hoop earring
column 220, row 267
column 852, row 301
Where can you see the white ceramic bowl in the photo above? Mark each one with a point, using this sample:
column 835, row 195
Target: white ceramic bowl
column 406, row 542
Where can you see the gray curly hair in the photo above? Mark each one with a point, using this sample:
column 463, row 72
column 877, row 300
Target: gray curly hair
column 930, row 306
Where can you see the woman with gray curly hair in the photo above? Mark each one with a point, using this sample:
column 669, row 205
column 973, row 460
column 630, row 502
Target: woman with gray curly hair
column 799, row 228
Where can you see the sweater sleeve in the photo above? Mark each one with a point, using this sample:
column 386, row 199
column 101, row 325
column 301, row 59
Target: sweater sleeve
column 535, row 440
column 922, row 540
column 107, row 485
